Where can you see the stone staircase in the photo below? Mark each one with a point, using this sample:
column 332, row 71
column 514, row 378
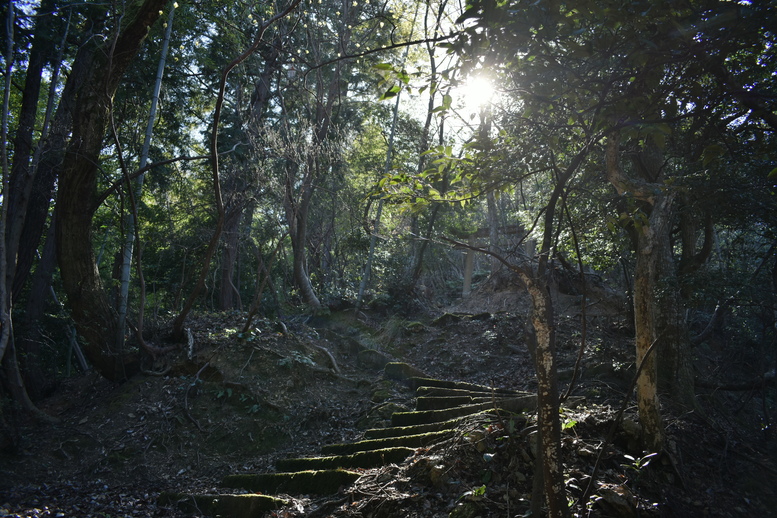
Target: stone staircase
column 440, row 405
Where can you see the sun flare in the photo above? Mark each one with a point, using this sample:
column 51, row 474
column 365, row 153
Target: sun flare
column 477, row 92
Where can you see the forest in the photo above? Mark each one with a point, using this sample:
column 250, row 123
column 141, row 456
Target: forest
column 572, row 201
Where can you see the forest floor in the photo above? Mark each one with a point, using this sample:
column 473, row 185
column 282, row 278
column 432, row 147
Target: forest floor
column 242, row 402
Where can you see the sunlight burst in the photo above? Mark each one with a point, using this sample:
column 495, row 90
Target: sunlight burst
column 476, row 93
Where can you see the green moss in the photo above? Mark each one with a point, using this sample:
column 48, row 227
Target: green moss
column 515, row 404
column 367, row 459
column 397, row 431
column 419, row 382
column 411, row 441
column 324, row 482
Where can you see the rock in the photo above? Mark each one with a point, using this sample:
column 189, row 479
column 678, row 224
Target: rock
column 465, row 510
column 372, row 359
column 618, row 499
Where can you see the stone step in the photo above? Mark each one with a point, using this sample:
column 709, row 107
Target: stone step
column 410, row 441
column 426, row 391
column 512, row 404
column 399, row 431
column 234, row 506
column 417, row 382
column 443, row 402
column 365, row 459
column 322, row 482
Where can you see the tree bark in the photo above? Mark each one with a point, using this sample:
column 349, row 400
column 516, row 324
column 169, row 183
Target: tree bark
column 657, row 301
column 229, row 295
column 91, row 310
column 22, row 175
column 297, row 218
column 547, row 395
column 28, row 342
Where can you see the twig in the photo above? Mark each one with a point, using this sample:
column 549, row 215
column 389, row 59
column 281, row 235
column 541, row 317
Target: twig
column 186, row 397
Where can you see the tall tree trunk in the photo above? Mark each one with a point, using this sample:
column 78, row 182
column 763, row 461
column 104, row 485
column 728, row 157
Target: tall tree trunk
column 22, row 175
column 297, row 219
column 89, row 304
column 6, row 304
column 548, row 421
column 28, row 342
column 649, row 243
column 130, row 227
column 657, row 302
column 48, row 158
column 415, row 266
column 493, row 229
column 227, row 289
column 178, row 323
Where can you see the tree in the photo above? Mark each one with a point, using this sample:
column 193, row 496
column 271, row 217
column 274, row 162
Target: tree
column 584, row 67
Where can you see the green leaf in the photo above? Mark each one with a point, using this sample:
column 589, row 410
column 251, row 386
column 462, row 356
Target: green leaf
column 390, row 93
column 710, row 153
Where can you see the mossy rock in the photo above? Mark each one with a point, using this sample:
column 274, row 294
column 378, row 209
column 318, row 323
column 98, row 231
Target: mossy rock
column 366, row 459
column 380, row 415
column 401, row 371
column 411, row 441
column 414, row 327
column 234, row 506
column 372, row 359
column 382, row 392
column 323, row 482
column 447, row 319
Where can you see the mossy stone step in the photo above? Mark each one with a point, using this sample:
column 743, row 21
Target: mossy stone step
column 234, row 506
column 322, row 482
column 443, row 402
column 365, row 459
column 411, row 441
column 399, row 431
column 513, row 404
column 426, row 391
column 417, row 382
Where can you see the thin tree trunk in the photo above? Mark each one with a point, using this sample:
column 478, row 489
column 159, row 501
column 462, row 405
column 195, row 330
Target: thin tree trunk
column 376, row 226
column 5, row 298
column 493, row 229
column 547, row 396
column 129, row 228
column 35, row 378
column 297, row 216
column 22, row 176
column 653, row 250
column 228, row 292
column 178, row 323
